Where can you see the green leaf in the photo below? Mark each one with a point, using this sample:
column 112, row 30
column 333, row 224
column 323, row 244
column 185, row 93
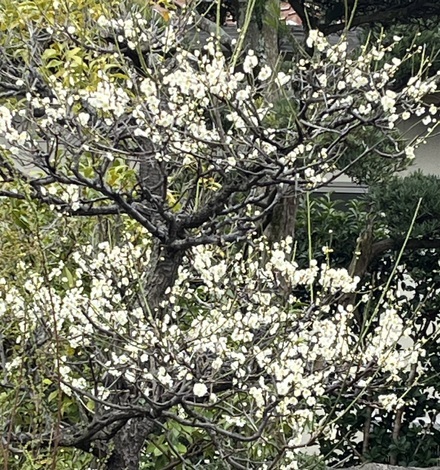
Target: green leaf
column 52, row 396
column 50, row 53
column 54, row 63
column 68, row 275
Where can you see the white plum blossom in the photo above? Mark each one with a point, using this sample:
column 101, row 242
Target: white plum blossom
column 250, row 62
column 108, row 98
column 409, row 152
column 200, row 390
column 316, row 38
column 265, row 73
column 337, row 279
column 389, row 101
column 282, row 79
column 83, row 118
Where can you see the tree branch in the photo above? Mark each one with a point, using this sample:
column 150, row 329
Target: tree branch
column 419, row 9
column 370, row 250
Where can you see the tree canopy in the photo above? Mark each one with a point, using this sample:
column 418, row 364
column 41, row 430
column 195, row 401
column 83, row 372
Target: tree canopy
column 160, row 309
column 331, row 16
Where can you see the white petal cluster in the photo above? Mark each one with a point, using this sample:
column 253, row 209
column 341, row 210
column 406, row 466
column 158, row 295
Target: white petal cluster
column 247, row 321
column 13, row 137
column 337, row 280
column 389, row 101
column 264, row 326
column 108, row 98
column 250, row 62
column 171, row 103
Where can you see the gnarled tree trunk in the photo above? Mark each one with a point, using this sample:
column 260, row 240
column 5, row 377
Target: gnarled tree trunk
column 130, row 439
column 128, row 444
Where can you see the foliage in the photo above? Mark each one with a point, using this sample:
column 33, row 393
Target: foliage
column 335, row 225
column 336, row 15
column 397, row 200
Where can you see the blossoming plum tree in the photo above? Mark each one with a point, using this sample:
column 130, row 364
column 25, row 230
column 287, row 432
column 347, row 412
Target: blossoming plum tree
column 204, row 327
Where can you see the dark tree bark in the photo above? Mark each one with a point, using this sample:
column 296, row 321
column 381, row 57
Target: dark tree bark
column 368, row 250
column 128, row 444
column 283, row 217
column 164, row 266
column 262, row 36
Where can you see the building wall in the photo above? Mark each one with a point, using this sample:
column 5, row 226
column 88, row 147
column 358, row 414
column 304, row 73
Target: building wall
column 427, row 159
column 427, row 155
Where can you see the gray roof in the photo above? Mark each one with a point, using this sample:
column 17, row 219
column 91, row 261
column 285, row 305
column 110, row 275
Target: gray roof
column 198, row 38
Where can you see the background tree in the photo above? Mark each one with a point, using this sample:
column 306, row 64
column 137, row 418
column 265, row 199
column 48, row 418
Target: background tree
column 333, row 16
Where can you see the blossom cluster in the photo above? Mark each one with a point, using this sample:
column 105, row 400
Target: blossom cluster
column 249, row 322
column 363, row 74
column 14, row 139
column 203, row 113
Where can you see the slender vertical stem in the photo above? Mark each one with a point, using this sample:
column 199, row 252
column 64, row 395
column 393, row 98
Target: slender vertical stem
column 367, row 430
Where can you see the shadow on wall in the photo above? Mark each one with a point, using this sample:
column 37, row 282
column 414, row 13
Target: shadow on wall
column 427, row 156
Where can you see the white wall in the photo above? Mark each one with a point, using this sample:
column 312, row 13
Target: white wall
column 427, row 159
column 427, row 155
